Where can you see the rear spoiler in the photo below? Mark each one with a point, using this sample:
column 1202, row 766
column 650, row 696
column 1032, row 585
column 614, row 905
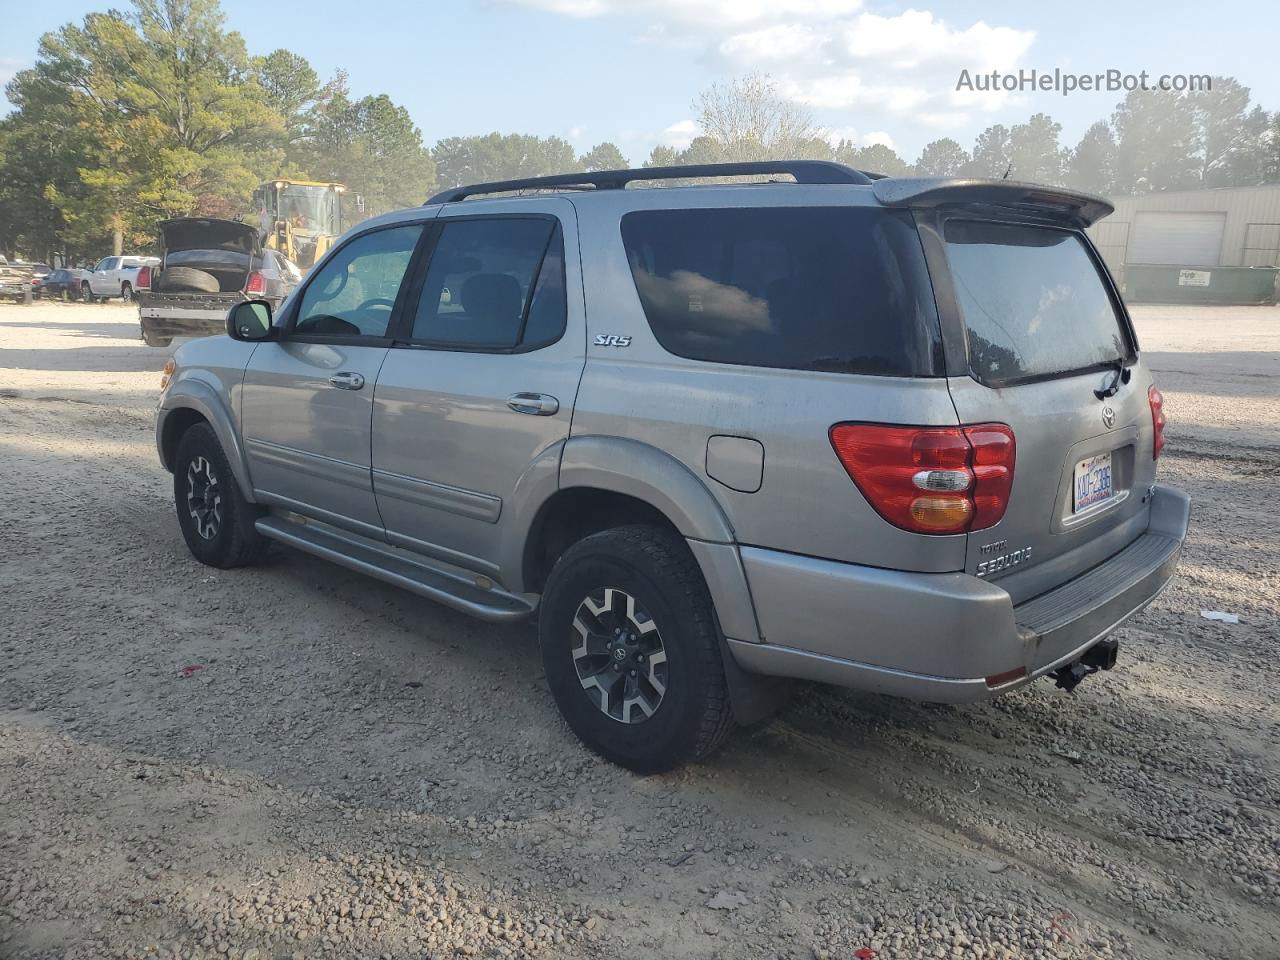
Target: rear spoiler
column 1081, row 209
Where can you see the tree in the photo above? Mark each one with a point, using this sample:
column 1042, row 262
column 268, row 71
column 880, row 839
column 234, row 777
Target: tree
column 1155, row 142
column 749, row 120
column 1092, row 164
column 1268, row 151
column 875, row 157
column 371, row 145
column 991, row 154
column 942, row 158
column 292, row 90
column 461, row 160
column 603, row 156
column 1034, row 150
column 162, row 114
column 662, row 156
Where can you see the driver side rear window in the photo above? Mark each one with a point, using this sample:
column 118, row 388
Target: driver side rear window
column 353, row 294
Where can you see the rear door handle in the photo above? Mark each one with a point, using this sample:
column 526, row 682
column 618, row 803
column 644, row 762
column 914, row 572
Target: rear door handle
column 534, row 404
column 347, row 381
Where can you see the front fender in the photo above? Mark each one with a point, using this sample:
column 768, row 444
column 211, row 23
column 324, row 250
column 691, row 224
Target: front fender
column 192, row 392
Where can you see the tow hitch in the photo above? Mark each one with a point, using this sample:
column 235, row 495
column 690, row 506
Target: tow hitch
column 1101, row 656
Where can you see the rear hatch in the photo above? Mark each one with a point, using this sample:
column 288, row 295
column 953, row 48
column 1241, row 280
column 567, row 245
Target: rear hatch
column 1047, row 349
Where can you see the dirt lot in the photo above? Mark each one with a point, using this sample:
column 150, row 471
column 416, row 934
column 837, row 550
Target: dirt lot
column 294, row 760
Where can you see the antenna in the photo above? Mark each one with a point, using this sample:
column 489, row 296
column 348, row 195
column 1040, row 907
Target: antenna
column 1008, row 170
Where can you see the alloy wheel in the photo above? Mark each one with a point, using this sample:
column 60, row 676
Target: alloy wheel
column 204, row 498
column 619, row 656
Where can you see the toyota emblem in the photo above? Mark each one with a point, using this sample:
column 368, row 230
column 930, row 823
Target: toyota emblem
column 1108, row 417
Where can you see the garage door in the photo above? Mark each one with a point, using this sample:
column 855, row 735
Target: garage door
column 1182, row 239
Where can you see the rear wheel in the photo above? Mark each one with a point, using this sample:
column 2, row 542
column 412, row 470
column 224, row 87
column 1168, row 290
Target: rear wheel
column 216, row 520
column 154, row 339
column 631, row 652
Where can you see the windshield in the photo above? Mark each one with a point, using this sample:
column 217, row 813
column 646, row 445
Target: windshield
column 308, row 209
column 1034, row 303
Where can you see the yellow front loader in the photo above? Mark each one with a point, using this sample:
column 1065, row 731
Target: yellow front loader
column 300, row 218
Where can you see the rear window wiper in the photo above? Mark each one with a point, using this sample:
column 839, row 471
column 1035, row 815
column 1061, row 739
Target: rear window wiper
column 1121, row 376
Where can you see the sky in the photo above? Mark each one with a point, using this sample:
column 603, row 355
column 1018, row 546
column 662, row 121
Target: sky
column 629, row 70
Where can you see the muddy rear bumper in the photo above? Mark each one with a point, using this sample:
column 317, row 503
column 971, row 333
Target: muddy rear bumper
column 939, row 637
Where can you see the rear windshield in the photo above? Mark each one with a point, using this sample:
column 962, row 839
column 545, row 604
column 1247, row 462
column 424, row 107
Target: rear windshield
column 1033, row 301
column 840, row 289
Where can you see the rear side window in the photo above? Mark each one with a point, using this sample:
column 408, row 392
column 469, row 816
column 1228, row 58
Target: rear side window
column 494, row 283
column 1033, row 301
column 841, row 289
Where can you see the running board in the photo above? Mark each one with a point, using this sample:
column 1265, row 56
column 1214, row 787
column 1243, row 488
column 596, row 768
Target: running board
column 448, row 585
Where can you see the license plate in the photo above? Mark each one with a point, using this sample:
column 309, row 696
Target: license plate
column 1092, row 482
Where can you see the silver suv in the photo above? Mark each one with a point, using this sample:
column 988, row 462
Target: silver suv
column 891, row 434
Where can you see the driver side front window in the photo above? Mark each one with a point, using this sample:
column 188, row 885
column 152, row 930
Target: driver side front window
column 352, row 295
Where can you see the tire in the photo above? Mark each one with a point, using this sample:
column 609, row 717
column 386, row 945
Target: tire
column 154, row 339
column 86, row 294
column 126, row 291
column 186, row 278
column 647, row 727
column 222, row 535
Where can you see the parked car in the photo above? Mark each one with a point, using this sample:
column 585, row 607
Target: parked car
column 15, row 281
column 207, row 267
column 892, row 434
column 114, row 277
column 38, row 272
column 60, row 284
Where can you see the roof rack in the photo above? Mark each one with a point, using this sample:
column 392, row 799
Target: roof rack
column 804, row 171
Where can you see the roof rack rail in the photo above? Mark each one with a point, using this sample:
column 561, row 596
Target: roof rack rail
column 805, row 171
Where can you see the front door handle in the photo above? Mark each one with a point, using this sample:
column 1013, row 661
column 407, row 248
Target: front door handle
column 347, row 381
column 535, row 404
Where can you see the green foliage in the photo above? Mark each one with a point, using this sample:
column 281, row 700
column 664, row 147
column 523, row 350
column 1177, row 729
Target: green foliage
column 371, row 145
column 461, row 160
column 1092, row 165
column 875, row 158
column 603, row 156
column 942, row 158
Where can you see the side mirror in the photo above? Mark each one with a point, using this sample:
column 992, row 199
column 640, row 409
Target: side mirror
column 250, row 321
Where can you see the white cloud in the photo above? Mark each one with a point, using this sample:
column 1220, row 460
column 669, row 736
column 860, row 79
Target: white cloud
column 705, row 12
column 833, row 56
column 679, row 135
column 877, row 136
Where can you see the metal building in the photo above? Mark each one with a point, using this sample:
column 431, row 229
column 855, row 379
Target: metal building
column 1195, row 246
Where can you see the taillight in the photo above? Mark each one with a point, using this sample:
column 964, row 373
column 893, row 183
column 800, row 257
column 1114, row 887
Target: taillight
column 930, row 479
column 169, row 366
column 143, row 280
column 257, row 283
column 1156, row 399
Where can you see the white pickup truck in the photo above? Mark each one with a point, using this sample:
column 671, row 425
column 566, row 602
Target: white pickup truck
column 114, row 277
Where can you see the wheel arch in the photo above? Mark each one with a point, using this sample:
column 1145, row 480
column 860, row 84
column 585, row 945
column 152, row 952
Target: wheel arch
column 191, row 401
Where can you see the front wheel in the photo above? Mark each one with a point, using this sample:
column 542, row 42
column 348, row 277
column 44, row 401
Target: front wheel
column 126, row 291
column 216, row 520
column 86, row 293
column 631, row 650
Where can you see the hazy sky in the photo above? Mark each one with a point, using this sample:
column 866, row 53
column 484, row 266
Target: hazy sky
column 628, row 70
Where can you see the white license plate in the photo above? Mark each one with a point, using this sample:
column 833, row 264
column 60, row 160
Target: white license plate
column 1092, row 482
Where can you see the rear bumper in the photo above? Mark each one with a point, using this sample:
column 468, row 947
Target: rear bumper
column 199, row 317
column 937, row 637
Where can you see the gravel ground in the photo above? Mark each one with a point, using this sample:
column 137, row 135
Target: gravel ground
column 294, row 760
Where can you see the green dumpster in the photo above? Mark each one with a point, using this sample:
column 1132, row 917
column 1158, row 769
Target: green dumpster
column 1160, row 283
